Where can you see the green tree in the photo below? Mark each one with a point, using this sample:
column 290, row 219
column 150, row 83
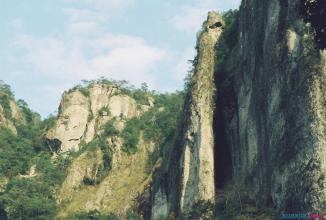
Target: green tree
column 28, row 199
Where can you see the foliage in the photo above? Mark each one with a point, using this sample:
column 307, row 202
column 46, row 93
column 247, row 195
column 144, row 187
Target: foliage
column 237, row 202
column 53, row 171
column 132, row 215
column 5, row 89
column 104, row 111
column 15, row 153
column 141, row 95
column 202, row 210
column 48, row 122
column 94, row 215
column 30, row 116
column 229, row 37
column 5, row 103
column 99, row 142
column 158, row 124
column 28, row 199
column 109, row 129
column 130, row 135
column 107, row 155
column 19, row 152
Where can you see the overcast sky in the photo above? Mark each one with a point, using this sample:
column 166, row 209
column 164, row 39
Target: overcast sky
column 48, row 46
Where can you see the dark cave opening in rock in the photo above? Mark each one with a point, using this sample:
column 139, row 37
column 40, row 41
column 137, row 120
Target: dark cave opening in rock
column 314, row 12
column 53, row 144
column 222, row 151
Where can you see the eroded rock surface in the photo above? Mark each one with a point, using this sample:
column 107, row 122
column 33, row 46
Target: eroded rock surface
column 191, row 165
column 81, row 116
column 273, row 97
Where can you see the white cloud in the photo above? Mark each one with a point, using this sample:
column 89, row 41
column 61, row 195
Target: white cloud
column 190, row 20
column 74, row 58
column 86, row 51
column 16, row 23
column 79, row 15
column 104, row 4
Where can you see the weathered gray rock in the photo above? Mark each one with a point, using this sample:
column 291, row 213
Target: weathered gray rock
column 16, row 116
column 191, row 170
column 274, row 107
column 270, row 117
column 81, row 116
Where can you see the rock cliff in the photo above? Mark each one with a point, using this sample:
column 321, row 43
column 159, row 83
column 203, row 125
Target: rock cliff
column 266, row 131
column 192, row 160
column 82, row 114
column 104, row 129
column 246, row 141
column 10, row 113
column 273, row 101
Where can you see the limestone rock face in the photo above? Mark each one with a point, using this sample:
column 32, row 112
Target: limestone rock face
column 81, row 116
column 72, row 122
column 15, row 112
column 16, row 115
column 119, row 189
column 6, row 122
column 192, row 160
column 273, row 99
column 85, row 166
column 92, row 184
column 267, row 131
column 197, row 160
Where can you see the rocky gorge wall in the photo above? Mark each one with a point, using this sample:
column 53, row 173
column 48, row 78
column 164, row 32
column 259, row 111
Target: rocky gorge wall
column 188, row 176
column 82, row 115
column 90, row 184
column 272, row 94
column 266, row 130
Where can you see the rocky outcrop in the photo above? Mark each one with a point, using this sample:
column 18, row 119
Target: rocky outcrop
column 84, row 167
column 82, row 114
column 268, row 130
column 15, row 114
column 102, row 177
column 197, row 160
column 272, row 94
column 6, row 122
column 192, row 164
column 116, row 192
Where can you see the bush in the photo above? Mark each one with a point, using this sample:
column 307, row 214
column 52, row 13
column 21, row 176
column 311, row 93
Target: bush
column 202, row 210
column 104, row 111
column 15, row 153
column 5, row 89
column 109, row 129
column 131, row 135
column 94, row 215
column 132, row 215
column 28, row 199
column 228, row 39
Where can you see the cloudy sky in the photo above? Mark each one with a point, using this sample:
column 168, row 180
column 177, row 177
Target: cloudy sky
column 49, row 46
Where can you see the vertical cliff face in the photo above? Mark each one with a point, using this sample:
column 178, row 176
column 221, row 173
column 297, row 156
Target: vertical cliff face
column 10, row 113
column 191, row 168
column 83, row 113
column 197, row 160
column 267, row 132
column 272, row 95
column 102, row 176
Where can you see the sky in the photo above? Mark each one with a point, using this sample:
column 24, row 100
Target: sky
column 49, row 46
